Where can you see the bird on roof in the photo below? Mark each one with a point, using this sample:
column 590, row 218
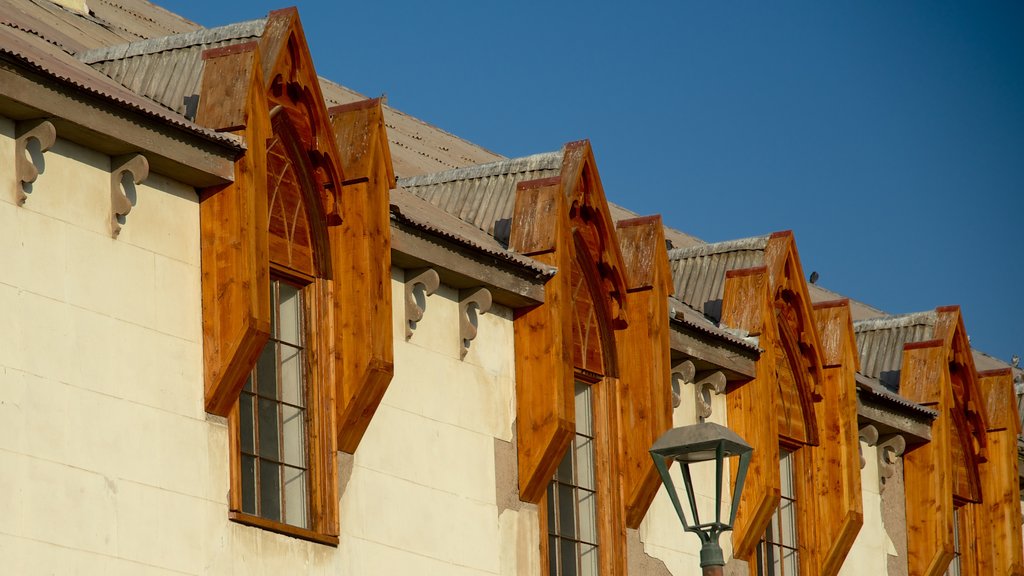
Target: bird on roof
column 814, row 277
column 1015, row 361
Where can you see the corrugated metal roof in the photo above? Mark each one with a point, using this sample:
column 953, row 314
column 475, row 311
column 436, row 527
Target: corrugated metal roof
column 698, row 272
column 680, row 312
column 416, row 146
column 874, row 389
column 57, row 64
column 169, row 70
column 880, row 343
column 110, row 22
column 483, row 195
column 408, row 208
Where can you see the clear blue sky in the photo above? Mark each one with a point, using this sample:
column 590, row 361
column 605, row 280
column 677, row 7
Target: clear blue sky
column 889, row 136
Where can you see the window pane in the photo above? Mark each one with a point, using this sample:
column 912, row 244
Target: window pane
column 585, row 462
column 246, row 421
column 553, row 555
column 564, row 472
column 789, row 563
column 292, row 370
column 786, row 473
column 266, row 371
column 248, row 384
column 248, row 484
column 552, row 519
column 294, row 433
column 268, row 430
column 588, row 560
column 270, row 490
column 566, row 512
column 588, row 516
column 290, row 315
column 568, row 558
column 787, row 522
column 584, row 411
column 295, row 496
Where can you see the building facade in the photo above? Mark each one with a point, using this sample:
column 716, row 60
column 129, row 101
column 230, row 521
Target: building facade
column 258, row 324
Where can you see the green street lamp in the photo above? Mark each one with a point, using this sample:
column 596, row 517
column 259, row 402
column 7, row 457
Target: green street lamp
column 703, row 442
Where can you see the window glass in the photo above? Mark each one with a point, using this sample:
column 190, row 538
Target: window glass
column 954, row 565
column 572, row 500
column 272, row 419
column 777, row 553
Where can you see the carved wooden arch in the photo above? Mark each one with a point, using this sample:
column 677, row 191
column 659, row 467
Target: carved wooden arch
column 797, row 334
column 291, row 82
column 297, row 225
column 594, row 347
column 592, row 222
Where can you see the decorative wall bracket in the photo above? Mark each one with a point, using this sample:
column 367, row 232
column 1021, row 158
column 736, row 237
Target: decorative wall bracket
column 869, row 435
column 429, row 279
column 708, row 383
column 479, row 297
column 683, row 372
column 888, row 451
column 25, row 169
column 120, row 204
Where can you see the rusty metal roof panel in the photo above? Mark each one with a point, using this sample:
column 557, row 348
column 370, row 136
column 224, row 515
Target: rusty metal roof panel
column 698, row 272
column 53, row 62
column 408, row 208
column 169, row 69
column 880, row 343
column 483, row 195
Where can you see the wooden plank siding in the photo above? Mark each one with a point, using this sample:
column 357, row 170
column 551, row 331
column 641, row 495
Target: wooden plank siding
column 362, row 259
column 234, row 242
column 836, row 460
column 645, row 403
column 999, row 546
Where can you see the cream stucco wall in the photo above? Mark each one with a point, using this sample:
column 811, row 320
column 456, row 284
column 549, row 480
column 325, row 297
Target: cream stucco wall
column 870, row 551
column 422, row 494
column 108, row 462
column 661, row 532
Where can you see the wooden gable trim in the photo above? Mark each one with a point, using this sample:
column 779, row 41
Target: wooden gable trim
column 233, row 226
column 835, row 461
column 999, row 548
column 588, row 211
column 364, row 348
column 292, row 83
column 746, row 305
column 543, row 336
column 927, row 467
column 645, row 408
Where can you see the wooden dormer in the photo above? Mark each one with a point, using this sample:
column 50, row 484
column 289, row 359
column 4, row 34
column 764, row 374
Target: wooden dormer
column 803, row 399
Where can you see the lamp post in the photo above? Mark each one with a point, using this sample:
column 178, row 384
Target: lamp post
column 703, row 442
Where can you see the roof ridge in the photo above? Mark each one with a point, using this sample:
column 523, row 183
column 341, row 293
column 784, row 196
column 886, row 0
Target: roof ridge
column 927, row 318
column 542, row 161
column 749, row 243
column 247, row 29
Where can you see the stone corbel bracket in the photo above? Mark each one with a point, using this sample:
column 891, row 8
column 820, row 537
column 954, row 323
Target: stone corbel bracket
column 431, row 281
column 24, row 168
column 713, row 382
column 683, row 372
column 869, row 435
column 479, row 297
column 120, row 204
column 888, row 451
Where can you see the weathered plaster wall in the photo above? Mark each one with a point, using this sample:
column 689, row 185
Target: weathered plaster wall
column 872, row 548
column 422, row 496
column 661, row 534
column 894, row 518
